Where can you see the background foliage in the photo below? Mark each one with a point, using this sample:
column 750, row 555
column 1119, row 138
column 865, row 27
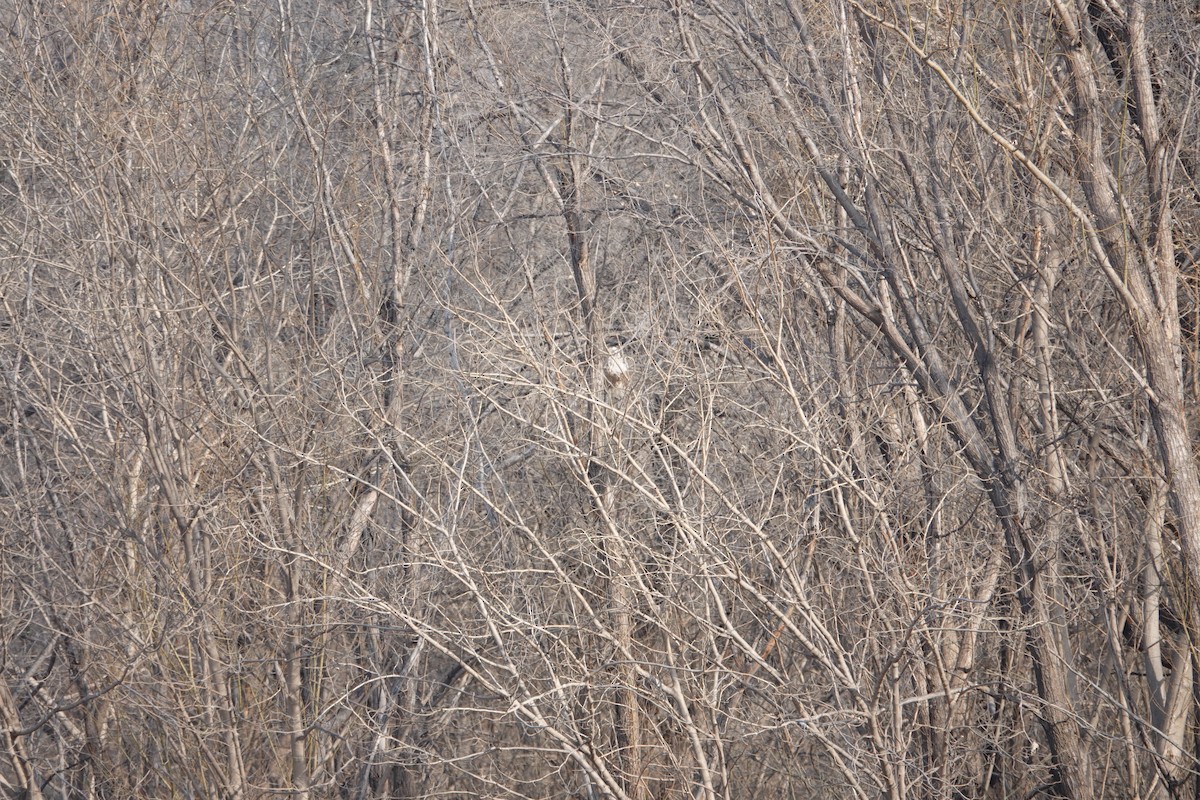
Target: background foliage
column 703, row 399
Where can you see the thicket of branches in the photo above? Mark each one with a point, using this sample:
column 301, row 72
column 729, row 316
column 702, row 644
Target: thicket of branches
column 538, row 400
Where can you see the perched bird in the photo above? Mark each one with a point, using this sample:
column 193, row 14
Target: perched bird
column 615, row 368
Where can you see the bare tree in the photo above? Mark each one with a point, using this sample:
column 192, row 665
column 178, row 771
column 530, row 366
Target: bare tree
column 560, row 399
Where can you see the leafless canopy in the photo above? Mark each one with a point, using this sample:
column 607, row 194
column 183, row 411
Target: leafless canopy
column 517, row 399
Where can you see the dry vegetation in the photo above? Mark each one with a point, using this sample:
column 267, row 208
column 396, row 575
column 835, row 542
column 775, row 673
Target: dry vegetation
column 700, row 400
